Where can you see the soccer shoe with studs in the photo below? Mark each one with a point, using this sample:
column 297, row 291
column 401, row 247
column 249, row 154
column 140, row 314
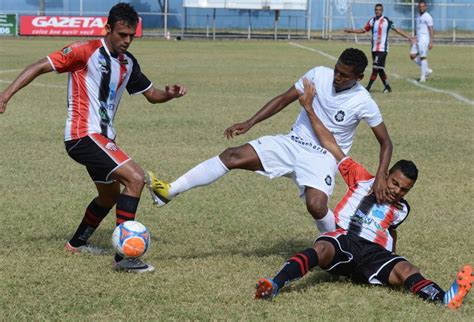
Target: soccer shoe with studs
column 266, row 289
column 87, row 248
column 132, row 265
column 462, row 284
column 159, row 189
column 387, row 89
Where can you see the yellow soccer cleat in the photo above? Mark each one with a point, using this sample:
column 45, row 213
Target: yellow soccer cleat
column 159, row 189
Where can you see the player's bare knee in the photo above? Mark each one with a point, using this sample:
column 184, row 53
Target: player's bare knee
column 401, row 271
column 317, row 207
column 231, row 158
column 136, row 180
column 325, row 251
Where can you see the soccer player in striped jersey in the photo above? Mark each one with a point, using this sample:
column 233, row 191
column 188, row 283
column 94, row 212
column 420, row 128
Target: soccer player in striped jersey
column 380, row 26
column 363, row 245
column 100, row 71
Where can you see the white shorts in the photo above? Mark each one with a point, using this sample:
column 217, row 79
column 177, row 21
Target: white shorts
column 308, row 164
column 420, row 47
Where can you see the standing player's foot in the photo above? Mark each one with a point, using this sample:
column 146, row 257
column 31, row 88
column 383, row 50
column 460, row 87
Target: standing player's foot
column 422, row 79
column 368, row 89
column 429, row 72
column 387, row 89
column 87, row 248
column 266, row 289
column 159, row 189
column 462, row 284
column 132, row 265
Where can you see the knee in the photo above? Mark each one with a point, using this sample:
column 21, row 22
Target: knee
column 401, row 272
column 136, row 178
column 317, row 207
column 231, row 158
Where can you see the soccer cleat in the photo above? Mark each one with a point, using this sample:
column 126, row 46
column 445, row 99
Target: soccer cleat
column 429, row 72
column 132, row 265
column 462, row 284
column 159, row 189
column 368, row 89
column 422, row 79
column 266, row 289
column 87, row 248
column 387, row 89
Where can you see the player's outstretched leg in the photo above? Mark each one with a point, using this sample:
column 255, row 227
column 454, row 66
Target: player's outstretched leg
column 266, row 289
column 455, row 295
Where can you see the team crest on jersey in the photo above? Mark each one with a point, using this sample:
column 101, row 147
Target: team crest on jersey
column 103, row 64
column 66, row 51
column 339, row 117
column 328, row 180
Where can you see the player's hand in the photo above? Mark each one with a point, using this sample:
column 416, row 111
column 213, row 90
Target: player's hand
column 175, row 90
column 3, row 102
column 306, row 99
column 412, row 40
column 380, row 189
column 347, row 30
column 237, row 129
column 430, row 46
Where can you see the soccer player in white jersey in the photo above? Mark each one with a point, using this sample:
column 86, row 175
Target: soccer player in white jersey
column 424, row 40
column 343, row 102
column 380, row 26
column 100, row 71
column 363, row 245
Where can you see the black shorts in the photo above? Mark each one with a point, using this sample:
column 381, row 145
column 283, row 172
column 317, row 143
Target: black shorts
column 361, row 260
column 99, row 154
column 378, row 58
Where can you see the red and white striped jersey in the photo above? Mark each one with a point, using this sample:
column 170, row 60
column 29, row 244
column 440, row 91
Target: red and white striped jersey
column 96, row 82
column 380, row 28
column 359, row 213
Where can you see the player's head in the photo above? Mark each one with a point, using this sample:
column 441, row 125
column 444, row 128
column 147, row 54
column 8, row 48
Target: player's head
column 349, row 68
column 378, row 10
column 401, row 178
column 121, row 26
column 422, row 6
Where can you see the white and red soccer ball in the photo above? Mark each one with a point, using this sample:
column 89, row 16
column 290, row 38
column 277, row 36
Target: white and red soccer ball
column 131, row 239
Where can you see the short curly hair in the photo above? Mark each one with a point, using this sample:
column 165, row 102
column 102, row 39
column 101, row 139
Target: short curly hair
column 407, row 167
column 354, row 57
column 122, row 12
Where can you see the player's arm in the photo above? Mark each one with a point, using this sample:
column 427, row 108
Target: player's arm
column 380, row 184
column 404, row 35
column 355, row 31
column 155, row 95
column 42, row 66
column 324, row 135
column 431, row 30
column 271, row 108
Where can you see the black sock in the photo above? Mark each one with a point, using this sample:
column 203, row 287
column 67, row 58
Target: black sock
column 92, row 218
column 126, row 208
column 296, row 267
column 426, row 289
column 383, row 77
column 373, row 77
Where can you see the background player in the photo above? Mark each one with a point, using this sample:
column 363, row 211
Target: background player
column 343, row 102
column 424, row 40
column 99, row 72
column 363, row 247
column 380, row 26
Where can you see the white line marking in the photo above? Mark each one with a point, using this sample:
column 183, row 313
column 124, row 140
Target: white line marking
column 414, row 82
column 36, row 84
column 10, row 71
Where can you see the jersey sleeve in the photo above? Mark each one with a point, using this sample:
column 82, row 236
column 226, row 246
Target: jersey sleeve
column 310, row 75
column 391, row 24
column 429, row 21
column 368, row 25
column 352, row 172
column 401, row 214
column 71, row 58
column 371, row 113
column 138, row 82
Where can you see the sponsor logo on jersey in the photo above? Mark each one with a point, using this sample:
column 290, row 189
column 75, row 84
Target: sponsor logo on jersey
column 339, row 117
column 103, row 64
column 66, row 51
column 328, row 180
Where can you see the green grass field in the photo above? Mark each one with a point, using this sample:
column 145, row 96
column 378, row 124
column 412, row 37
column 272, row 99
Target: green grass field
column 211, row 244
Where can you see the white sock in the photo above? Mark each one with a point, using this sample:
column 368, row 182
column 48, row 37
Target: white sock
column 424, row 67
column 327, row 223
column 417, row 60
column 203, row 174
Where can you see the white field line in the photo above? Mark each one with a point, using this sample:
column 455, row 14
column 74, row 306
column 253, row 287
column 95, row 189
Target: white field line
column 35, row 84
column 412, row 81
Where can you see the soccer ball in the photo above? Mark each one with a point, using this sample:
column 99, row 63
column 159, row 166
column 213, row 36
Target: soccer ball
column 131, row 239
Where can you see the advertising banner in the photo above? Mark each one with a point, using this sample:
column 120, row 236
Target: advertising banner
column 8, row 25
column 66, row 26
